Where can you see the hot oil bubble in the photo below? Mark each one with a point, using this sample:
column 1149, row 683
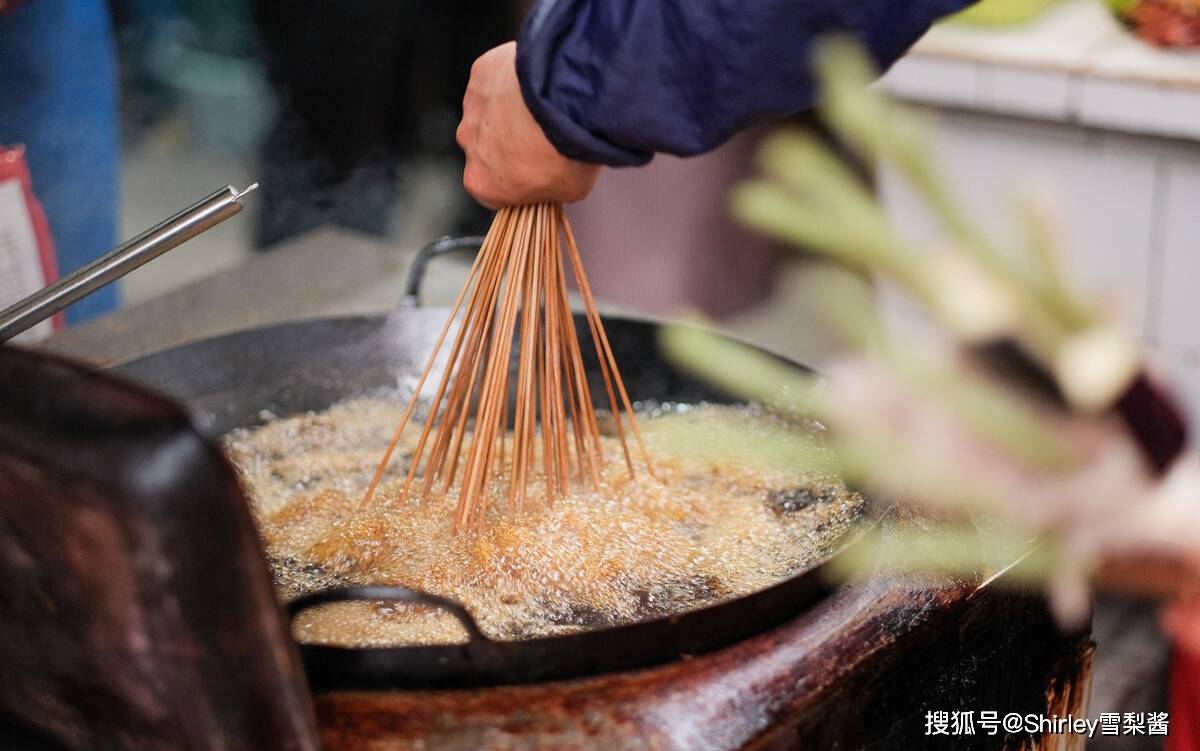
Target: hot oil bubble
column 709, row 529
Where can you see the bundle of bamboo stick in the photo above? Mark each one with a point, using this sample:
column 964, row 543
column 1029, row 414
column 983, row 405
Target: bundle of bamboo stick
column 514, row 308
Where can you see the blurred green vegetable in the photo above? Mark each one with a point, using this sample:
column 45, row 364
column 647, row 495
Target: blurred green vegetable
column 980, row 291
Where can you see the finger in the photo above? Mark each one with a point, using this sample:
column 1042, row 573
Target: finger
column 468, row 125
column 477, row 185
column 462, row 135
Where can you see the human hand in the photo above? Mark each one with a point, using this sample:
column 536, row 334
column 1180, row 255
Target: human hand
column 509, row 159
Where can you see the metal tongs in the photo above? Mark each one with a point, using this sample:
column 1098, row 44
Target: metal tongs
column 122, row 259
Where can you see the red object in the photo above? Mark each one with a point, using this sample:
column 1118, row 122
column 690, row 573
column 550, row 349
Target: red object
column 1165, row 24
column 14, row 167
column 1185, row 702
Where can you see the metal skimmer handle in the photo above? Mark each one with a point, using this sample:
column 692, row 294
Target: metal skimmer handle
column 121, row 260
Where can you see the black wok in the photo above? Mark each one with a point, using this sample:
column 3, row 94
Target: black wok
column 235, row 380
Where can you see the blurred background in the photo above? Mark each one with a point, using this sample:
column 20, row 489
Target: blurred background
column 345, row 113
column 347, row 118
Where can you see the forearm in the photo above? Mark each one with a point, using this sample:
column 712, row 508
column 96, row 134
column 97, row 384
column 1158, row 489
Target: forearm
column 615, row 81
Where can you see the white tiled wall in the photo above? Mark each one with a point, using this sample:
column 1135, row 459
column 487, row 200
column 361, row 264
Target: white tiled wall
column 1104, row 185
column 956, row 83
column 1126, row 104
column 1130, row 208
column 1075, row 64
column 1031, row 92
column 1179, row 305
column 1178, row 319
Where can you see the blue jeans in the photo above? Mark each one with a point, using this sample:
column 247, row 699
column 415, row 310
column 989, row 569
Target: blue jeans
column 58, row 97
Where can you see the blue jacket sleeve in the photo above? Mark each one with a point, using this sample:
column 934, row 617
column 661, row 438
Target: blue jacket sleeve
column 614, row 81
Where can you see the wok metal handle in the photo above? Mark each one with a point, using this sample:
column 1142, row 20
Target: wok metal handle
column 475, row 635
column 444, row 246
column 122, row 259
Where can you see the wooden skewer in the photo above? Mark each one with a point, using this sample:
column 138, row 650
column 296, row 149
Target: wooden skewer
column 412, row 402
column 602, row 345
column 515, row 312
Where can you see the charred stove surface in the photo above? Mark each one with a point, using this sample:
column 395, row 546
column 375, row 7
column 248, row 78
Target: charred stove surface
column 858, row 671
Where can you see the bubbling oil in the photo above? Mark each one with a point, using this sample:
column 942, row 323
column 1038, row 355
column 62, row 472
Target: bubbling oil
column 706, row 528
